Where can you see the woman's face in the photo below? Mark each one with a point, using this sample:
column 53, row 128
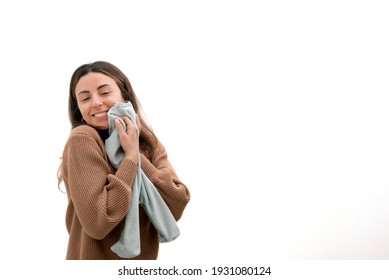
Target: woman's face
column 96, row 93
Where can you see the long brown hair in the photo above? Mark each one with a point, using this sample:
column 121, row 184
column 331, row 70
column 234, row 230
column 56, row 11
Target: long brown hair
column 147, row 138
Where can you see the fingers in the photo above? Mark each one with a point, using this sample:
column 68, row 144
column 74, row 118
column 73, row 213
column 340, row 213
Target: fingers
column 119, row 126
column 128, row 124
column 128, row 138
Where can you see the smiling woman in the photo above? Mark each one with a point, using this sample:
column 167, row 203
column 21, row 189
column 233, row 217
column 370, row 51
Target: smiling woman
column 99, row 195
column 96, row 93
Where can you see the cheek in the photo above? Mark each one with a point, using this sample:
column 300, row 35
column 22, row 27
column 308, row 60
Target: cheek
column 115, row 99
column 83, row 109
column 119, row 98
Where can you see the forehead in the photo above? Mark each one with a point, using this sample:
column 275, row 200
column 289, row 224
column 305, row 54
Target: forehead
column 92, row 81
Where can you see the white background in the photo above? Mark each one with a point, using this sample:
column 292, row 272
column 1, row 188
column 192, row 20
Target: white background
column 274, row 114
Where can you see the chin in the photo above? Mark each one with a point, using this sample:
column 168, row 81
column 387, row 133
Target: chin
column 101, row 126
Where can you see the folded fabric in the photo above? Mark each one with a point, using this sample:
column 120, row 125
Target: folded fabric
column 144, row 193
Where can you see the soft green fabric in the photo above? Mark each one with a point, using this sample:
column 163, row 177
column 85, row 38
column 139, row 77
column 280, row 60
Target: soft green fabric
column 144, row 193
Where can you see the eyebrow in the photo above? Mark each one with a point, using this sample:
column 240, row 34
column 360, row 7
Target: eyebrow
column 98, row 88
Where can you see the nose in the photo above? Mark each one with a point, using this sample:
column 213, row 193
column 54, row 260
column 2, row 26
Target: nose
column 96, row 101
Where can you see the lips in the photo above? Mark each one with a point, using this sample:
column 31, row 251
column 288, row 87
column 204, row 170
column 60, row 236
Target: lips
column 100, row 115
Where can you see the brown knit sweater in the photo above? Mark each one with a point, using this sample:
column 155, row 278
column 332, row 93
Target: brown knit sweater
column 99, row 196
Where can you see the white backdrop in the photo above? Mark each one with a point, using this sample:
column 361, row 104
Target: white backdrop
column 274, row 113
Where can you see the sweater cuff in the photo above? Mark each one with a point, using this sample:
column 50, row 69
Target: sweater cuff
column 127, row 171
column 148, row 168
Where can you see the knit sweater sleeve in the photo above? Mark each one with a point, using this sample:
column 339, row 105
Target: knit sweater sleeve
column 161, row 173
column 100, row 197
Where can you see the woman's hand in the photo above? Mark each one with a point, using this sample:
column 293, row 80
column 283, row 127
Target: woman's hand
column 128, row 138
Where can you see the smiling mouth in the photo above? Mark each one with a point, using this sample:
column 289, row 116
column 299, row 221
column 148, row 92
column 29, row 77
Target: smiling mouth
column 100, row 115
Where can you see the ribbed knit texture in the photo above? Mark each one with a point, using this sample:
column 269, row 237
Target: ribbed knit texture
column 99, row 196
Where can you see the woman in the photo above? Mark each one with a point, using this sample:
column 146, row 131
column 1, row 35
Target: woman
column 99, row 195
